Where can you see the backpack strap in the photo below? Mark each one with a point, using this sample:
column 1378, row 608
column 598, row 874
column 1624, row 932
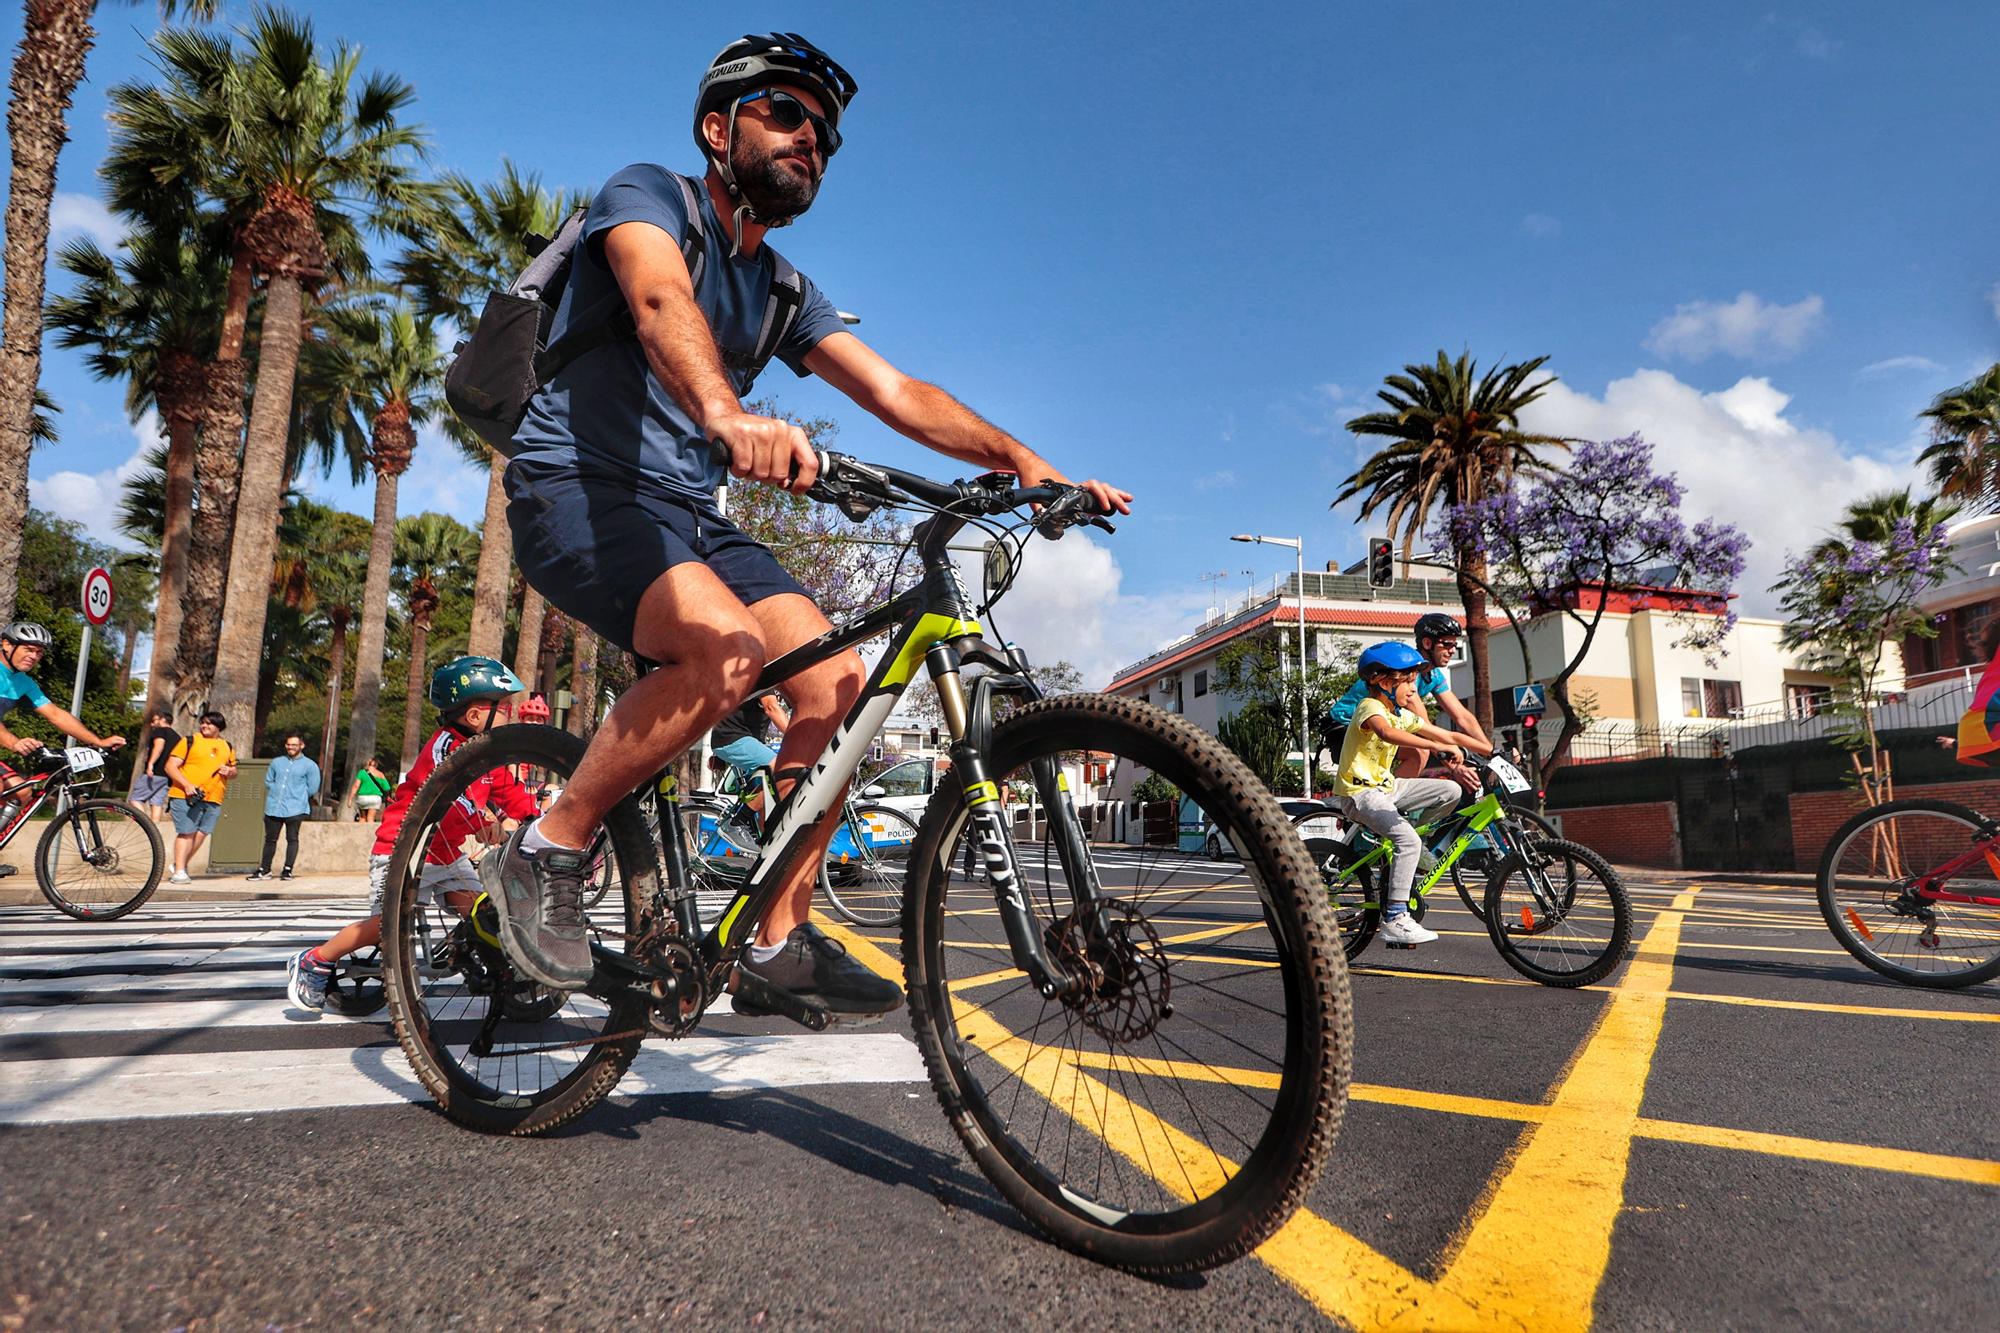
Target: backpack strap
column 620, row 325
column 781, row 310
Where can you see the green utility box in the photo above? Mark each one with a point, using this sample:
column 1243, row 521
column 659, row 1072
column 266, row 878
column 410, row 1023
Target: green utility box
column 238, row 843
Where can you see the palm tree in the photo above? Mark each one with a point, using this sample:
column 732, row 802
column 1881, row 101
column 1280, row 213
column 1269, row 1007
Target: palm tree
column 430, row 549
column 313, row 578
column 1456, row 438
column 55, row 41
column 308, row 146
column 148, row 318
column 137, row 581
column 1964, row 454
column 480, row 249
column 1875, row 518
column 385, row 367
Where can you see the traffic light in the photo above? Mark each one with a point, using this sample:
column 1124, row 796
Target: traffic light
column 1381, row 563
column 1529, row 722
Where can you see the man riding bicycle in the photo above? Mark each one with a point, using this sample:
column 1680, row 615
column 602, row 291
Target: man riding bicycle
column 611, row 497
column 23, row 645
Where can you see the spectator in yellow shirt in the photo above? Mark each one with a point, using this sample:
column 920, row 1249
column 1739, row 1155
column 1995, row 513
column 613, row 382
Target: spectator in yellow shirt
column 199, row 769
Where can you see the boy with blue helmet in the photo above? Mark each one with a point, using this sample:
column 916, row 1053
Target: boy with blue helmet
column 1366, row 788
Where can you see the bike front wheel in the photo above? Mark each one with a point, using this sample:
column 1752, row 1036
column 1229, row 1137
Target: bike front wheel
column 1172, row 1108
column 99, row 860
column 864, row 871
column 1877, row 884
column 1559, row 914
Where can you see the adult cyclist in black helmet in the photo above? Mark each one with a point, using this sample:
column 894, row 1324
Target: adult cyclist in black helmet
column 611, row 497
column 1438, row 637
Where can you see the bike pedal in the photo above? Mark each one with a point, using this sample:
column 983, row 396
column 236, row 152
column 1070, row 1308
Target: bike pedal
column 761, row 994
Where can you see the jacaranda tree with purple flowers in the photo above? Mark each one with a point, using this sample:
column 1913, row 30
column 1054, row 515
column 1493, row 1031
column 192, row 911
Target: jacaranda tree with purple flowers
column 1850, row 596
column 1607, row 523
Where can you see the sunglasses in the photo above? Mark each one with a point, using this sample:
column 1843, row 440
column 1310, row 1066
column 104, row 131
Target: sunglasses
column 788, row 113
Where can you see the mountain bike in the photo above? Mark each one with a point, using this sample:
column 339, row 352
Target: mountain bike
column 1148, row 1059
column 100, row 858
column 1557, row 912
column 1912, row 890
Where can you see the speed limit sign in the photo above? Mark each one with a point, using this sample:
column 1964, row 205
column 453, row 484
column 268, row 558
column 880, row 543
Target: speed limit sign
column 97, row 596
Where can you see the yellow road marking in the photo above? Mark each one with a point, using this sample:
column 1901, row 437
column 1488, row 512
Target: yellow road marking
column 1902, row 1161
column 1747, row 1001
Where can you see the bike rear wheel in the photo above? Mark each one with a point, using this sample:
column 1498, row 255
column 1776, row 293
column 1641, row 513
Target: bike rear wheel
column 1353, row 893
column 99, row 860
column 1559, row 914
column 1173, row 1111
column 865, row 886
column 1869, row 895
column 499, row 1053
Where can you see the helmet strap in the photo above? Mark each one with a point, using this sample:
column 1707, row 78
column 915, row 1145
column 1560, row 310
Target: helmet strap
column 726, row 169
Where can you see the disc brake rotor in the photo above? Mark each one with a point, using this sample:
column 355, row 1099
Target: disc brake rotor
column 1124, row 989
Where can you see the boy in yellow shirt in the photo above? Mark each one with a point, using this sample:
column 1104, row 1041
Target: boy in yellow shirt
column 1367, row 790
column 199, row 769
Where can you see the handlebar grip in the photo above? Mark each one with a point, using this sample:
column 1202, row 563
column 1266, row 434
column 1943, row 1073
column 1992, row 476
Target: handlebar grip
column 720, row 453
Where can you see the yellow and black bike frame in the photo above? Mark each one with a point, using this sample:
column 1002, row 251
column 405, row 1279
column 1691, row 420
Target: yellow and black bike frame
column 932, row 626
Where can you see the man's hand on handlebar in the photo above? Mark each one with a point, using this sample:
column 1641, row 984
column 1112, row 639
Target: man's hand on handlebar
column 765, row 449
column 25, row 745
column 1110, row 500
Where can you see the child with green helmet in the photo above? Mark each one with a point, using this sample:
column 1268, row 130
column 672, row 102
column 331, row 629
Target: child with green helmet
column 470, row 694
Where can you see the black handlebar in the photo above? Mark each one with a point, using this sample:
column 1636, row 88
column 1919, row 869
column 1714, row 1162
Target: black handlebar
column 858, row 488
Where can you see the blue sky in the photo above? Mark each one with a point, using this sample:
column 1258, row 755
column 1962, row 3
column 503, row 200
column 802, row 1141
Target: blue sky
column 1176, row 245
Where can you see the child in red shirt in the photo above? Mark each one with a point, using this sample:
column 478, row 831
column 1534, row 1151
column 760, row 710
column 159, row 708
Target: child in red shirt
column 468, row 693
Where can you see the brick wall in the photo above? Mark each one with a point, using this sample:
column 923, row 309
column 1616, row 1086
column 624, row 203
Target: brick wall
column 1817, row 815
column 1646, row 833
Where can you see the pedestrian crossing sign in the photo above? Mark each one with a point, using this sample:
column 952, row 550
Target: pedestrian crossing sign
column 1530, row 699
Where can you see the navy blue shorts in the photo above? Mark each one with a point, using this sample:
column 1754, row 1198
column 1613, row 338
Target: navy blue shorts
column 592, row 546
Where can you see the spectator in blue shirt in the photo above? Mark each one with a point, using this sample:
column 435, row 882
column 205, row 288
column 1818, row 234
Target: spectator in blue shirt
column 289, row 785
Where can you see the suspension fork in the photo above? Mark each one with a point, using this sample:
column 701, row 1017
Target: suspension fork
column 981, row 796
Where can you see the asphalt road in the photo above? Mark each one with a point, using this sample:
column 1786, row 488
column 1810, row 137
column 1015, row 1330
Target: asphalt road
column 1740, row 1128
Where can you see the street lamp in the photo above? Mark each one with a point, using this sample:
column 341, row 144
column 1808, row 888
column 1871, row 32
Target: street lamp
column 1298, row 545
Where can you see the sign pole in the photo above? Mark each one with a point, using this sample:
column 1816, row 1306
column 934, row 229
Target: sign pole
column 82, row 666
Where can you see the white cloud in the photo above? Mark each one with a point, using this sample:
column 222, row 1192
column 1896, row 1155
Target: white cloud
column 1740, row 458
column 1066, row 606
column 1748, row 327
column 84, row 215
column 1895, row 363
column 1541, row 224
column 91, row 498
column 1816, row 45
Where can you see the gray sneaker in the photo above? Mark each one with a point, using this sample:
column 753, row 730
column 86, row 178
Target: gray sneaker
column 539, row 900
column 817, row 968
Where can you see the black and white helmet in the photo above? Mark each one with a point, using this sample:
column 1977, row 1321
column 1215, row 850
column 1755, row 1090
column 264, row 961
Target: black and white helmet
column 1439, row 625
column 27, row 631
column 760, row 60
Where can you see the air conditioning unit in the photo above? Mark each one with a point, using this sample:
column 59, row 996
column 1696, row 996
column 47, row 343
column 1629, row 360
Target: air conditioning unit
column 1165, row 683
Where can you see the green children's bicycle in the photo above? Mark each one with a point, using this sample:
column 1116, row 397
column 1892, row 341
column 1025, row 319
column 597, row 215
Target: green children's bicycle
column 1556, row 911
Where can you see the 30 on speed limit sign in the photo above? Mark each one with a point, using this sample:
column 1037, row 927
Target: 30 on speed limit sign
column 97, row 596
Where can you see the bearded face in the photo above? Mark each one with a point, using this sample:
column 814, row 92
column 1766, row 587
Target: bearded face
column 780, row 182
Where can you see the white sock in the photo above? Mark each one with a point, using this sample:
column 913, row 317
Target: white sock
column 764, row 953
column 533, row 841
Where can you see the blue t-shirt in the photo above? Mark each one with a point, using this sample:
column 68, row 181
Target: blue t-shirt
column 289, row 786
column 605, row 413
column 1430, row 684
column 18, row 689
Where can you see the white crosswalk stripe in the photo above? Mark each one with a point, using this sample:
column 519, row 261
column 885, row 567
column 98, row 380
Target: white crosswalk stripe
column 181, row 1010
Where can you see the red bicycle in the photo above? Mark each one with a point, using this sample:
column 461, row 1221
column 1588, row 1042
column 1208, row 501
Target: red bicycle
column 1912, row 889
column 100, row 858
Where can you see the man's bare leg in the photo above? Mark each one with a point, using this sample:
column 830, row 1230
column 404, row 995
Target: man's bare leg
column 820, row 697
column 710, row 650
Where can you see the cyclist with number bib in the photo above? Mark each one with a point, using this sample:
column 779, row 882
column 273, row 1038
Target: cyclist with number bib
column 611, row 497
column 23, row 645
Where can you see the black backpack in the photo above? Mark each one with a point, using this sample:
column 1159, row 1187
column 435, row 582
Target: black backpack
column 495, row 372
